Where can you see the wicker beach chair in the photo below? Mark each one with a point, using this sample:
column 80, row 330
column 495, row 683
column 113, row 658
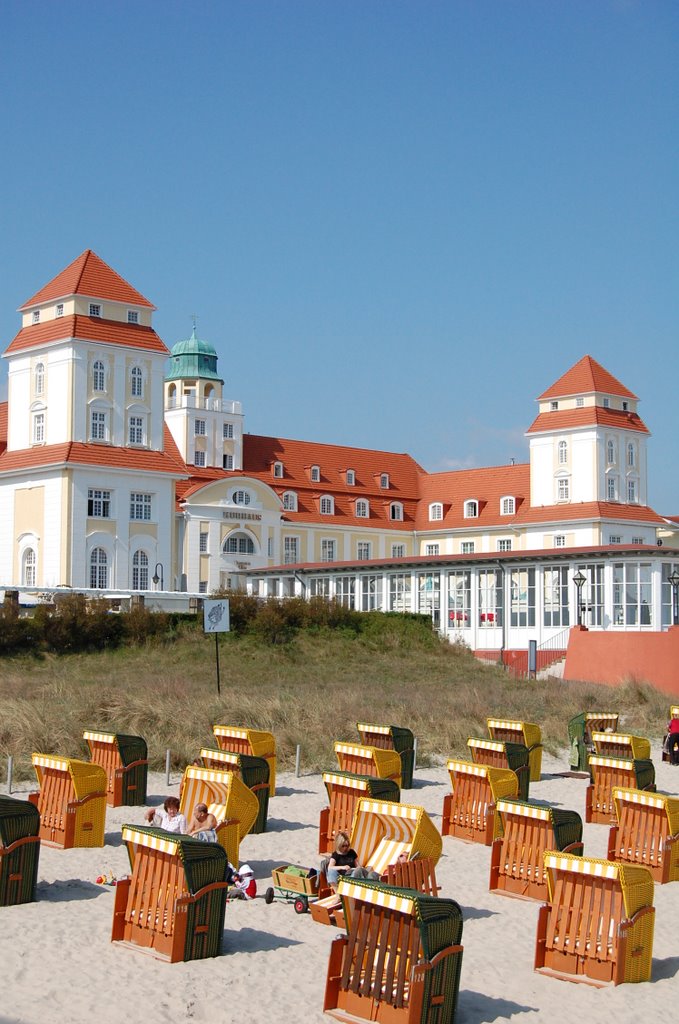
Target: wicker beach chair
column 125, row 761
column 362, row 760
column 647, row 832
column 520, row 732
column 173, row 903
column 502, row 754
column 71, row 801
column 400, row 959
column 598, row 924
column 469, row 811
column 253, row 771
column 619, row 744
column 392, row 737
column 227, row 797
column 381, row 832
column 580, row 729
column 608, row 772
column 527, row 831
column 19, row 851
column 249, row 741
column 344, row 790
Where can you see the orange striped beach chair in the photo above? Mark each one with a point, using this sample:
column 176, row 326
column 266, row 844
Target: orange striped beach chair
column 619, row 744
column 234, row 806
column 253, row 771
column 125, row 761
column 249, row 741
column 173, row 903
column 528, row 733
column 608, row 772
column 392, row 737
column 71, row 801
column 503, row 754
column 469, row 811
column 344, row 791
column 647, row 832
column 364, row 760
column 598, row 924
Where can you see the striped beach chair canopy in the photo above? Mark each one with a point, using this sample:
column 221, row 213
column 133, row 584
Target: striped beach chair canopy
column 528, row 733
column 392, row 737
column 249, row 741
column 365, row 760
column 566, row 825
column 382, row 831
column 204, row 863
column 254, row 771
column 125, row 761
column 366, row 785
column 620, row 744
column 85, row 776
column 227, row 797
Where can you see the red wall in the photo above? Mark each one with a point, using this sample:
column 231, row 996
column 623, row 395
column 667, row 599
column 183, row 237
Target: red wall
column 614, row 658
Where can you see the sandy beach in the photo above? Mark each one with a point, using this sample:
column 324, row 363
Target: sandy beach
column 59, row 965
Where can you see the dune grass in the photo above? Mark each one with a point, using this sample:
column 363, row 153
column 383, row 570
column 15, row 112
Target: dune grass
column 310, row 690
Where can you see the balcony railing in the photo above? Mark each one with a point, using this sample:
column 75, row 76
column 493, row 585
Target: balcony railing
column 204, row 404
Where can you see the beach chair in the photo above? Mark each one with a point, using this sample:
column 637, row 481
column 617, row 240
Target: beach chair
column 19, row 851
column 173, row 903
column 380, row 833
column 392, row 737
column 125, row 761
column 71, row 801
column 499, row 754
column 400, row 959
column 253, row 771
column 580, row 731
column 249, row 741
column 227, row 797
column 361, row 760
column 469, row 811
column 670, row 746
column 520, row 732
column 517, row 856
column 344, row 790
column 418, row 874
column 608, row 772
column 647, row 832
column 619, row 744
column 598, row 924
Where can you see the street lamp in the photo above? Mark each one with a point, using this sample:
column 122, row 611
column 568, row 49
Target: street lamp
column 579, row 579
column 673, row 580
column 158, row 576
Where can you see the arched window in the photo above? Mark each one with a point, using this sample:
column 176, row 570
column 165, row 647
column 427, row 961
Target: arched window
column 98, row 376
column 290, row 501
column 39, row 378
column 99, row 569
column 239, row 544
column 631, row 454
column 507, row 506
column 362, row 509
column 136, row 382
column 436, row 511
column 396, row 511
column 242, row 497
column 471, row 509
column 28, row 574
column 140, row 571
column 610, row 452
column 563, row 453
column 278, row 470
column 327, row 505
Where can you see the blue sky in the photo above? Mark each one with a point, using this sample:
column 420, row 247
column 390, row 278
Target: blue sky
column 398, row 221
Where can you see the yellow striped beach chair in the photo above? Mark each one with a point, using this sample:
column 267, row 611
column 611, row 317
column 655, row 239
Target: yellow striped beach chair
column 608, row 772
column 363, row 760
column 527, row 733
column 125, row 761
column 344, row 790
column 249, row 741
column 647, row 832
column 619, row 744
column 469, row 811
column 71, row 801
column 392, row 737
column 234, row 806
column 253, row 771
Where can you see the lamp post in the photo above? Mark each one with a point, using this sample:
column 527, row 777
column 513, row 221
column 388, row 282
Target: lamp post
column 579, row 579
column 158, row 576
column 673, row 580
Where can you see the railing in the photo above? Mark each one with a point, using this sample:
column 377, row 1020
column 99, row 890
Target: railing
column 547, row 653
column 207, row 404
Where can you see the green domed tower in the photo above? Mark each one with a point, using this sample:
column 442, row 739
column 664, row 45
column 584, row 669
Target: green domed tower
column 193, row 359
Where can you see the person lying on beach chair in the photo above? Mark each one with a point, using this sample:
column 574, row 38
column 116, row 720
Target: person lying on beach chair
column 203, row 824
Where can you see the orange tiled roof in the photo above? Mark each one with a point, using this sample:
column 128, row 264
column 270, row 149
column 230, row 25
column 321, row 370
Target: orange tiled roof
column 139, row 460
column 88, row 328
column 586, row 376
column 569, row 511
column 89, row 275
column 486, row 486
column 587, row 416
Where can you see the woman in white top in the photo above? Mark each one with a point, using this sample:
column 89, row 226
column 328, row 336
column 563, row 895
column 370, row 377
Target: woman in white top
column 169, row 818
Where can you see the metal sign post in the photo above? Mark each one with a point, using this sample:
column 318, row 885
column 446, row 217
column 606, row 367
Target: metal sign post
column 216, row 620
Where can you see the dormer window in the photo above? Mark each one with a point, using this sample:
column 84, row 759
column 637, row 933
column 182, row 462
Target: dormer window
column 362, row 509
column 60, row 309
column 133, row 316
column 290, row 501
column 95, row 309
column 553, row 406
column 327, row 505
column 278, row 470
column 579, row 402
column 507, row 506
column 625, row 406
column 36, row 316
column 384, row 480
column 396, row 511
column 436, row 511
column 315, row 474
column 351, row 477
column 607, row 403
column 471, row 509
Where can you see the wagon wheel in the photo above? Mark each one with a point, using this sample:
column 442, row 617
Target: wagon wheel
column 269, row 895
column 301, row 905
